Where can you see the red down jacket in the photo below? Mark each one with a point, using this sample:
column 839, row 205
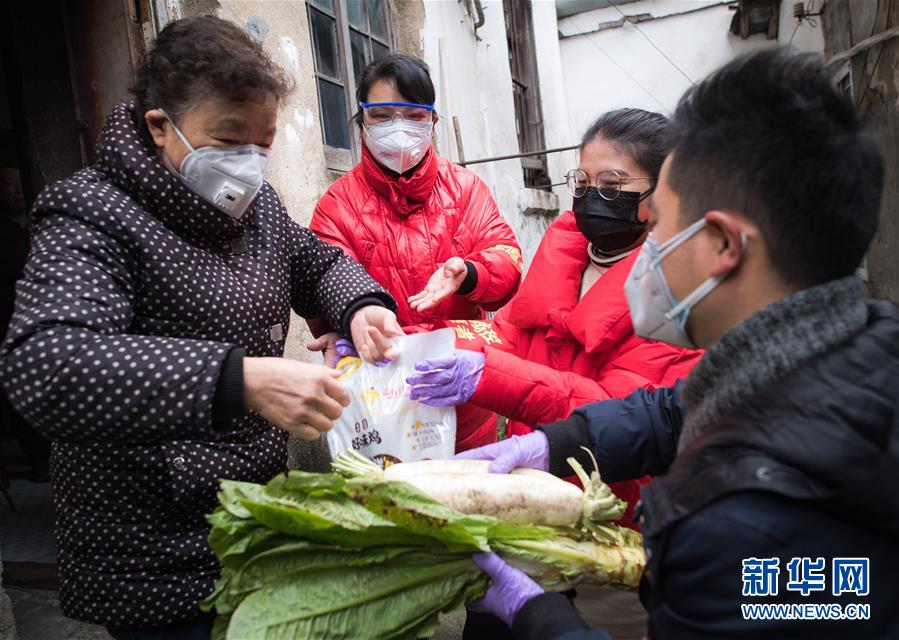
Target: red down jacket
column 549, row 353
column 403, row 229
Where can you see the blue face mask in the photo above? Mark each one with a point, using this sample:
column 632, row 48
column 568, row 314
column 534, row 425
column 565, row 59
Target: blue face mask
column 655, row 313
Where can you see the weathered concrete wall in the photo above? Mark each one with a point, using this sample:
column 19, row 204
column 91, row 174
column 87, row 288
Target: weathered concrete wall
column 409, row 21
column 875, row 80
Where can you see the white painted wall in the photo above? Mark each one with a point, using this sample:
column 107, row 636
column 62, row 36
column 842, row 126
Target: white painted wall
column 619, row 67
column 474, row 83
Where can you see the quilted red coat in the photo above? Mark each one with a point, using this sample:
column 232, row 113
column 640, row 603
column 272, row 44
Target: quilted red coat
column 552, row 353
column 403, row 229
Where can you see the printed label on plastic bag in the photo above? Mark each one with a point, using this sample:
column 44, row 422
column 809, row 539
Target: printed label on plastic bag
column 382, row 422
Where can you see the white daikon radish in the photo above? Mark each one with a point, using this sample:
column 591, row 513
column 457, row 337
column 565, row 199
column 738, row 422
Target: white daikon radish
column 526, row 496
column 406, row 470
column 522, row 498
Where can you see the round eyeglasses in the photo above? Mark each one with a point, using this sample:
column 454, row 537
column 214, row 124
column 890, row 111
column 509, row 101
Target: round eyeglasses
column 608, row 183
column 375, row 113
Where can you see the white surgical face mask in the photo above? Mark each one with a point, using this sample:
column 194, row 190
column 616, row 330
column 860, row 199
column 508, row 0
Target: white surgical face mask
column 400, row 144
column 655, row 313
column 229, row 179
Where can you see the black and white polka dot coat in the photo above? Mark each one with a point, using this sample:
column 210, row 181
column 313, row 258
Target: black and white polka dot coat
column 134, row 293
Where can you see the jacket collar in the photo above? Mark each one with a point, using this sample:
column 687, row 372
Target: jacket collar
column 405, row 195
column 600, row 319
column 826, row 434
column 132, row 162
column 769, row 345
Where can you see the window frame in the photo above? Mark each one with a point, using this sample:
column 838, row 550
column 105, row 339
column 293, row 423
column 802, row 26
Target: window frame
column 526, row 93
column 337, row 158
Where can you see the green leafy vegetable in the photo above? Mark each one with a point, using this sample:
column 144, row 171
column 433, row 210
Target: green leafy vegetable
column 323, row 556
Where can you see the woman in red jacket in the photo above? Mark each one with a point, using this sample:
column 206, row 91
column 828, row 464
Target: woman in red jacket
column 428, row 230
column 566, row 338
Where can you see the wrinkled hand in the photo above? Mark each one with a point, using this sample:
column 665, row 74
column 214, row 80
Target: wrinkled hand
column 444, row 283
column 327, row 344
column 300, row 398
column 531, row 451
column 371, row 327
column 449, row 381
column 509, row 591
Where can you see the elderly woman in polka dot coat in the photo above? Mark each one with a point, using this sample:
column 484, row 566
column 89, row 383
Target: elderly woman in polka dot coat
column 150, row 325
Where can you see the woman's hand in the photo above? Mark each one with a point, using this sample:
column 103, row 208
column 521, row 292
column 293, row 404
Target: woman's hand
column 444, row 283
column 300, row 398
column 327, row 344
column 449, row 381
column 371, row 327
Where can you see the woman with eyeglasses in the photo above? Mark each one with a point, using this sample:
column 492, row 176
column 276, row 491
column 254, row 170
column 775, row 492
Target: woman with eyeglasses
column 566, row 337
column 428, row 230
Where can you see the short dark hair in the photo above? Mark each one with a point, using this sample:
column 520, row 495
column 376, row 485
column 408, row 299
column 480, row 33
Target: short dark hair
column 409, row 75
column 768, row 137
column 201, row 57
column 644, row 135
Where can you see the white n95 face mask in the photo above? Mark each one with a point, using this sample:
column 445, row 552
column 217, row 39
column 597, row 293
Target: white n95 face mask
column 399, row 145
column 655, row 313
column 229, row 179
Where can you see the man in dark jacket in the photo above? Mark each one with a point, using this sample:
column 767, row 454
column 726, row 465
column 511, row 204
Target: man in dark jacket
column 779, row 456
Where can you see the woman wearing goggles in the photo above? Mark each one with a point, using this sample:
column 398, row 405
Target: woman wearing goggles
column 428, row 230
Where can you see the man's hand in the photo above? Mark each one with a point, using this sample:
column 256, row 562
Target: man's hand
column 327, row 344
column 531, row 451
column 370, row 328
column 444, row 283
column 300, row 398
column 510, row 589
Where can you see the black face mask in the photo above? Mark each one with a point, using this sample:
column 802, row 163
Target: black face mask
column 610, row 225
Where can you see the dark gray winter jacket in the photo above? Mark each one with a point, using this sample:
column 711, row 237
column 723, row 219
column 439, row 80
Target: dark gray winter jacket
column 135, row 295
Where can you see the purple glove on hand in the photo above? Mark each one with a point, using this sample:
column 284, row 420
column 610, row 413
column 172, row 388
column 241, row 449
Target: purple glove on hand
column 531, row 451
column 447, row 382
column 509, row 591
column 345, row 348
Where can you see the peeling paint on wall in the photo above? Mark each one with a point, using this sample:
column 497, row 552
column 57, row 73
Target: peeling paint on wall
column 306, row 120
column 257, row 28
column 289, row 49
column 293, row 139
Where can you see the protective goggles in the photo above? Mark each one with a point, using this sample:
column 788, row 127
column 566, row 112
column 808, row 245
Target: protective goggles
column 383, row 112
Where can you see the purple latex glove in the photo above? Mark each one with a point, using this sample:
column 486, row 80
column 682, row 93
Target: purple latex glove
column 449, row 381
column 531, row 451
column 509, row 591
column 345, row 348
